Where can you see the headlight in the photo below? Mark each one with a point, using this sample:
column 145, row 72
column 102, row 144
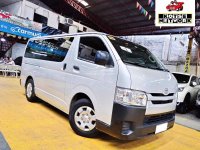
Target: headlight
column 180, row 89
column 131, row 97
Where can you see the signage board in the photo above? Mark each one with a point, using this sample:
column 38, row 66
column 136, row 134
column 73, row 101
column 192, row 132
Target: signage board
column 175, row 13
column 7, row 17
column 18, row 30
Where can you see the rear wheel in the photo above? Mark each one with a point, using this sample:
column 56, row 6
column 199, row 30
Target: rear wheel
column 30, row 91
column 82, row 118
column 183, row 108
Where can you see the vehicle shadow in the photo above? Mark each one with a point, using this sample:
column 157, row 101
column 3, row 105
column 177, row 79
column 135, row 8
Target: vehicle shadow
column 128, row 144
column 52, row 108
column 116, row 143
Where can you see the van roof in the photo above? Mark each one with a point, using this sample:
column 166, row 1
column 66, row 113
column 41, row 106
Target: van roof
column 72, row 34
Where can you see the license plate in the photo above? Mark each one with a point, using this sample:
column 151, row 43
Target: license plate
column 161, row 128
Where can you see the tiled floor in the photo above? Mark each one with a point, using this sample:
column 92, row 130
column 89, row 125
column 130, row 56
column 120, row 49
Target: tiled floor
column 38, row 126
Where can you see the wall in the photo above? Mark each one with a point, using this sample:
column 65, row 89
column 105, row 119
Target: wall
column 170, row 48
column 180, row 68
column 18, row 50
column 14, row 8
column 53, row 21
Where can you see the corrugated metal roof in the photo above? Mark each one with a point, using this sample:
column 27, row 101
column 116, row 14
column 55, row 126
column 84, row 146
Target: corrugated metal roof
column 121, row 16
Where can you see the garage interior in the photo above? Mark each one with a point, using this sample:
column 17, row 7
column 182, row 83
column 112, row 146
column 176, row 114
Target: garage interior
column 39, row 125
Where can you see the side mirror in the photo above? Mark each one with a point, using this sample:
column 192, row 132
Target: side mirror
column 102, row 58
column 194, row 84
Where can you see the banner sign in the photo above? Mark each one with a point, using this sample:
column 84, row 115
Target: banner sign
column 188, row 56
column 18, row 30
column 7, row 17
column 142, row 10
column 175, row 13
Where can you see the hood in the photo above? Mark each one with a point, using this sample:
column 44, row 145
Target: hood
column 182, row 85
column 152, row 81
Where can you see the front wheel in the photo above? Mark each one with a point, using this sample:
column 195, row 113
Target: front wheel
column 198, row 113
column 183, row 107
column 82, row 118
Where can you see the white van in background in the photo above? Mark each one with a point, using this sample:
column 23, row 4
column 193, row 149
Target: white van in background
column 104, row 83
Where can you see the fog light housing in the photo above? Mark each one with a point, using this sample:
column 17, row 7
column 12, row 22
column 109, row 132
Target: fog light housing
column 127, row 128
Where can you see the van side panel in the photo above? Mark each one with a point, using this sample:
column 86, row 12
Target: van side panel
column 50, row 79
column 98, row 82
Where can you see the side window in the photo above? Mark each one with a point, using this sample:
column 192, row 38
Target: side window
column 89, row 46
column 49, row 49
column 194, row 79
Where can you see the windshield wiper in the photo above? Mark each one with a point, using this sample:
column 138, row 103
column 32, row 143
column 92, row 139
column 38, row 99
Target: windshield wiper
column 134, row 63
column 145, row 66
column 158, row 69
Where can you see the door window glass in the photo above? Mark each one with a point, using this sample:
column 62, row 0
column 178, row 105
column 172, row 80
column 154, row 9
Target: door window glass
column 194, row 79
column 89, row 46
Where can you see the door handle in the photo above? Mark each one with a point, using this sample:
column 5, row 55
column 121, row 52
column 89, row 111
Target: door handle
column 64, row 66
column 76, row 68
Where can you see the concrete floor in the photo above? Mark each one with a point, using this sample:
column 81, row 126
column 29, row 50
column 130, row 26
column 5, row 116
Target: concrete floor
column 189, row 120
column 38, row 126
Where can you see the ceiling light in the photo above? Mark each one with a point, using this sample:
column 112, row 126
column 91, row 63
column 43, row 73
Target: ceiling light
column 3, row 40
column 83, row 2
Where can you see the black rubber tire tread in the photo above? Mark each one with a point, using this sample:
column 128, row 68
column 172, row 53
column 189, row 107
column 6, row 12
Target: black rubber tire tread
column 183, row 107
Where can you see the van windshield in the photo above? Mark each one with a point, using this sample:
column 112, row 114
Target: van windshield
column 134, row 54
column 181, row 78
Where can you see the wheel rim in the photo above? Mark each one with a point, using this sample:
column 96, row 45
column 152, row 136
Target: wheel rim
column 29, row 90
column 85, row 118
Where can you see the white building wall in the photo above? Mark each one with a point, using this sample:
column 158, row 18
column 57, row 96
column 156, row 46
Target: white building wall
column 73, row 29
column 53, row 20
column 172, row 48
column 31, row 8
column 180, row 68
column 15, row 8
column 18, row 50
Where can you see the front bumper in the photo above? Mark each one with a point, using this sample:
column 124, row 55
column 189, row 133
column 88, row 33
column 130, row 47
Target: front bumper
column 130, row 122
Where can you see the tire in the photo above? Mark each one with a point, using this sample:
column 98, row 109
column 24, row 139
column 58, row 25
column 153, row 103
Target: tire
column 183, row 108
column 86, row 125
column 30, row 91
column 198, row 113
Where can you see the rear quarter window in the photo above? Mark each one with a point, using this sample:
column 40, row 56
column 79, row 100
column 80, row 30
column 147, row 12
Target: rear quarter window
column 49, row 49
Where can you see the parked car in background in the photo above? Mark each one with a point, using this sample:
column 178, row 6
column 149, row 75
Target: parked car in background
column 188, row 87
column 198, row 105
